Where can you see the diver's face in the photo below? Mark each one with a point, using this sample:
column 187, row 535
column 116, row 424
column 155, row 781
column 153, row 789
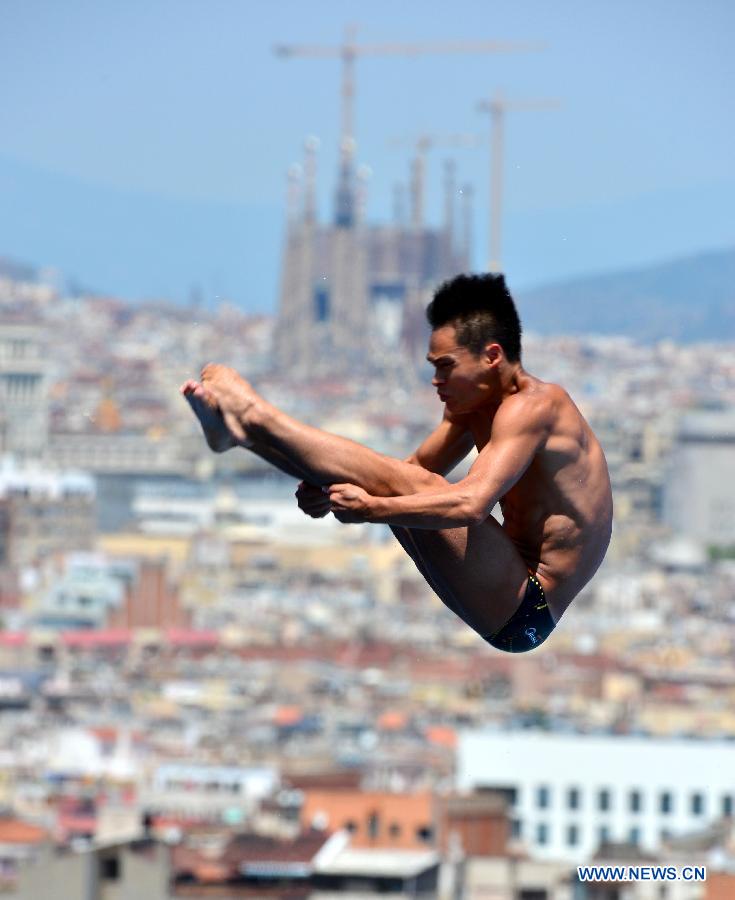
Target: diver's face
column 462, row 380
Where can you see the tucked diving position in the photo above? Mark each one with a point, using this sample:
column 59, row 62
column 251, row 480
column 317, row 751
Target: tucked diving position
column 537, row 458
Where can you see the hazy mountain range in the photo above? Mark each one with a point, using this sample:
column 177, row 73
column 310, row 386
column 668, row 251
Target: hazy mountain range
column 688, row 299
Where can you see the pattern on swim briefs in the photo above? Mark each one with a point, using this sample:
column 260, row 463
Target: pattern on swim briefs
column 530, row 624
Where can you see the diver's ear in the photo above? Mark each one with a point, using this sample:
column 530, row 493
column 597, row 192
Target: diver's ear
column 493, row 353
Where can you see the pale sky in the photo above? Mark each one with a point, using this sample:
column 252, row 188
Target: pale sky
column 144, row 144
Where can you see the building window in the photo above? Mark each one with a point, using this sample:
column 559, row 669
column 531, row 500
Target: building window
column 542, row 797
column 373, row 825
column 634, row 835
column 425, row 834
column 516, row 828
column 109, row 868
column 603, row 800
column 603, row 834
column 542, row 833
column 697, row 804
column 509, row 793
column 321, row 305
column 635, row 801
column 572, row 835
column 666, row 802
column 573, row 798
column 727, row 805
column 394, row 830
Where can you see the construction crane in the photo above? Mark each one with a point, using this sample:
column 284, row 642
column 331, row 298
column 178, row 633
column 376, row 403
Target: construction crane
column 350, row 50
column 497, row 106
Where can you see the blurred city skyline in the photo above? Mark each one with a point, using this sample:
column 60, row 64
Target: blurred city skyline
column 145, row 148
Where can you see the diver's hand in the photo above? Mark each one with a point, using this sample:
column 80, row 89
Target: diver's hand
column 312, row 500
column 349, row 503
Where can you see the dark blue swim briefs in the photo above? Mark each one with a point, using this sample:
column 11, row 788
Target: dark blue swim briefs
column 530, row 624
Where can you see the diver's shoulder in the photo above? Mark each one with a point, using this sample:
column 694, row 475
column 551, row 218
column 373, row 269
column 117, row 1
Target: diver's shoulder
column 536, row 393
column 546, row 394
column 537, row 403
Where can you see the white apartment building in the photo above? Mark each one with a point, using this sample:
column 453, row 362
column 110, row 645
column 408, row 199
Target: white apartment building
column 203, row 789
column 699, row 497
column 23, row 389
column 571, row 793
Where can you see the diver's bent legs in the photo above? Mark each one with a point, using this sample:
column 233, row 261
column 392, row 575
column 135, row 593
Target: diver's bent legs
column 403, row 536
column 476, row 571
column 269, row 454
column 315, row 456
column 330, row 459
column 405, row 539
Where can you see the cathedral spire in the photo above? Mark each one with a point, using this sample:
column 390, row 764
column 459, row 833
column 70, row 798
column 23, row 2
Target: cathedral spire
column 344, row 215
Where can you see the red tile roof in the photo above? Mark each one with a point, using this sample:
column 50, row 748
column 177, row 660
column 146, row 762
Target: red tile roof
column 441, row 735
column 392, row 720
column 288, row 715
column 15, row 831
column 13, row 638
column 182, row 637
column 97, row 638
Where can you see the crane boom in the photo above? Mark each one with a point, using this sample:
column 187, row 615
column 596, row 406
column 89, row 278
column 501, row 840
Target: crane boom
column 347, row 49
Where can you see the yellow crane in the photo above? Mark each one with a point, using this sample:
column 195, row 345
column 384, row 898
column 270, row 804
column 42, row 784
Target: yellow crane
column 497, row 106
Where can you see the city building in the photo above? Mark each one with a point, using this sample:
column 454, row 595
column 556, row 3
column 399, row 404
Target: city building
column 476, row 825
column 138, row 868
column 23, row 388
column 208, row 791
column 374, row 819
column 85, row 594
column 151, row 600
column 569, row 794
column 20, row 843
column 116, row 453
column 700, row 491
column 43, row 512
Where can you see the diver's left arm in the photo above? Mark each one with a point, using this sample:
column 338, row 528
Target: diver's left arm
column 520, row 428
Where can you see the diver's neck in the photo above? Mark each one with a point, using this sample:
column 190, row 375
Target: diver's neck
column 513, row 380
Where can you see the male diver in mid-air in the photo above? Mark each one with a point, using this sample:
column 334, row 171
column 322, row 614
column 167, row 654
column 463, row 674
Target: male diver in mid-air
column 537, row 457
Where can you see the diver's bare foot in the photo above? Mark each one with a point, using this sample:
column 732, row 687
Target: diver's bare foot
column 235, row 397
column 218, row 435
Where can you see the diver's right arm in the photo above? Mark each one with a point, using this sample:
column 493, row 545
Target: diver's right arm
column 445, row 447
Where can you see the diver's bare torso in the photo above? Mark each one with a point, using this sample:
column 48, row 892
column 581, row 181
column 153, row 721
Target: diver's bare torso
column 559, row 513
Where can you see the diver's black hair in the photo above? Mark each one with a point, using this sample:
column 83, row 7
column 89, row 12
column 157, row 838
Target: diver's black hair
column 482, row 310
